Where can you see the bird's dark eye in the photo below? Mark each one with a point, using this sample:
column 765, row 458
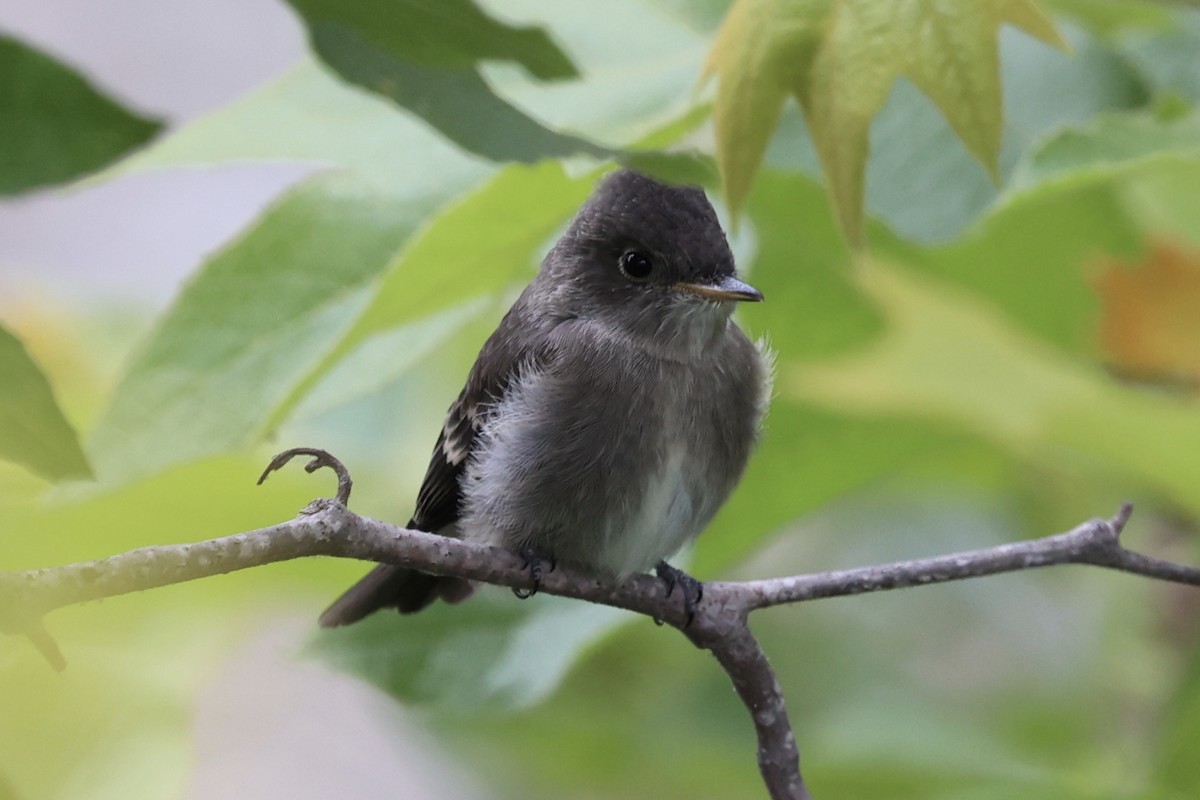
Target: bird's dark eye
column 636, row 265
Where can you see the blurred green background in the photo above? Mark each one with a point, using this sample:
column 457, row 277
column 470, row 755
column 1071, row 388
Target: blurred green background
column 192, row 279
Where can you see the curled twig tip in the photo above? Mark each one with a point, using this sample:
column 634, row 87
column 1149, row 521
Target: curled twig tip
column 320, row 458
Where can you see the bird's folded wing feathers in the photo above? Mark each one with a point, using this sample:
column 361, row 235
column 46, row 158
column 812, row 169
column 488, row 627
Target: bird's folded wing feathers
column 510, row 349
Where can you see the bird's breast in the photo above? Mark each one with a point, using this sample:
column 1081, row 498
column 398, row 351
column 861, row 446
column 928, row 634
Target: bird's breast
column 609, row 461
column 663, row 514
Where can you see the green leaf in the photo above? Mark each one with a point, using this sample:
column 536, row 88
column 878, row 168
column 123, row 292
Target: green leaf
column 1112, row 17
column 509, row 218
column 1177, row 768
column 55, row 125
column 424, row 57
column 1032, row 269
column 1033, row 255
column 1108, row 144
column 1044, row 91
column 950, row 357
column 506, row 117
column 251, row 326
column 263, row 314
column 33, row 430
column 440, row 33
column 455, row 101
column 373, row 364
column 438, row 274
column 490, row 653
column 1167, row 57
column 638, row 72
column 310, row 117
column 839, row 61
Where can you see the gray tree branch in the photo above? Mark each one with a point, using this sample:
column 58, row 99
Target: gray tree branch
column 328, row 528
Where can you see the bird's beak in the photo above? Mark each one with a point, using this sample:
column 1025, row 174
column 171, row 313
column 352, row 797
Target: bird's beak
column 724, row 288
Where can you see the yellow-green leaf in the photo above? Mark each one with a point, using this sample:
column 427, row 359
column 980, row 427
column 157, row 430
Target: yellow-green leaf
column 33, row 430
column 839, row 59
column 949, row 356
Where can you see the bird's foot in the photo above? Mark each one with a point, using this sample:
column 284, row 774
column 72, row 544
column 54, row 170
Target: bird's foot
column 536, row 562
column 692, row 589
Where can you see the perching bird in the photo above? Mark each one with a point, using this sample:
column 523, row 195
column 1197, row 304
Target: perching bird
column 610, row 414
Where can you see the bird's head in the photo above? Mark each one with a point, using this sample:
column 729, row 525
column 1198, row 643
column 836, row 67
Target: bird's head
column 649, row 257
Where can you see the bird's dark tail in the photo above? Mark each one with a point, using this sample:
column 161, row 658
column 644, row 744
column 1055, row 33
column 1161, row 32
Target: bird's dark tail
column 386, row 586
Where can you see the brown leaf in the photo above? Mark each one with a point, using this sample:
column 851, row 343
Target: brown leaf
column 1149, row 326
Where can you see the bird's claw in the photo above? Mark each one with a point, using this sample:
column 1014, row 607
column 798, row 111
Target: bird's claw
column 691, row 589
column 535, row 562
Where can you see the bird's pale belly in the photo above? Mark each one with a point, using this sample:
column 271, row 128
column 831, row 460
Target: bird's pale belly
column 672, row 510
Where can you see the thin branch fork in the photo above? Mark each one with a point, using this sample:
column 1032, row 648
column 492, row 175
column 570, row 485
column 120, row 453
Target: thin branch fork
column 329, row 528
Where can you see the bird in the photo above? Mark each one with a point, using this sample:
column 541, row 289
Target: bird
column 610, row 414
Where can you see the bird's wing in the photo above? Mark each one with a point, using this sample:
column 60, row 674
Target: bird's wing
column 513, row 347
column 516, row 345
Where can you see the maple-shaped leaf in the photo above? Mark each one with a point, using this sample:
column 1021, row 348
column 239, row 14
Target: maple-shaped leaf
column 1149, row 327
column 839, row 59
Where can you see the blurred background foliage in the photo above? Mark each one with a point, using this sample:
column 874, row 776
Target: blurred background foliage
column 1000, row 356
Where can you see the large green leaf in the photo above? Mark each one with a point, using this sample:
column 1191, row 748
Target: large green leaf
column 33, row 430
column 1034, row 255
column 56, row 126
column 493, row 652
column 263, row 314
column 251, row 326
column 638, row 71
column 424, row 57
column 456, row 101
column 508, row 219
column 308, row 116
column 121, row 714
column 1035, row 271
column 440, row 33
column 358, row 370
column 949, row 357
column 496, row 112
column 439, row 269
column 1108, row 144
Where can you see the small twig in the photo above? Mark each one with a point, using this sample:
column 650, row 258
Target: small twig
column 1095, row 542
column 45, row 644
column 329, row 528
